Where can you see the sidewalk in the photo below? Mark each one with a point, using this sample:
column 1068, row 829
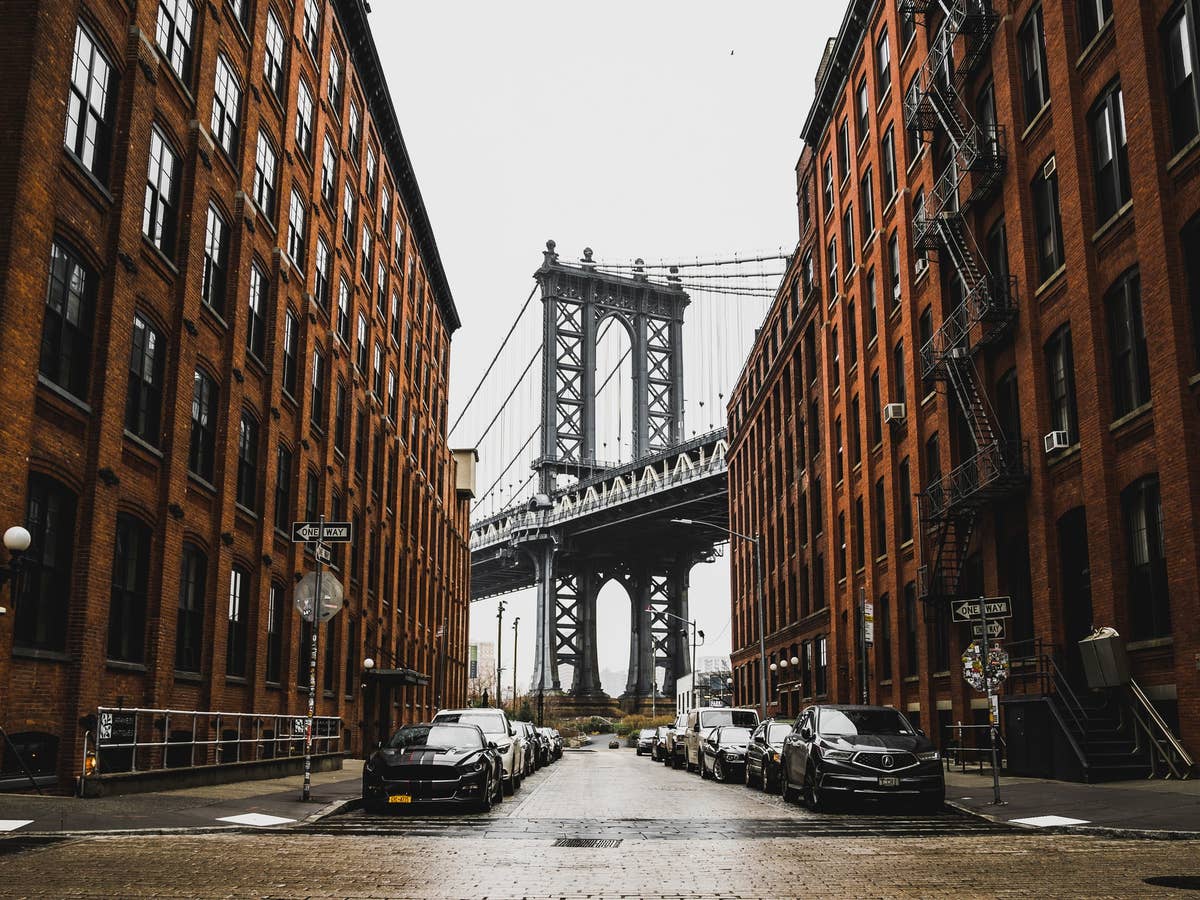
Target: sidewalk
column 1141, row 808
column 212, row 807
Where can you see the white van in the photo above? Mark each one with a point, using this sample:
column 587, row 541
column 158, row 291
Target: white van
column 703, row 719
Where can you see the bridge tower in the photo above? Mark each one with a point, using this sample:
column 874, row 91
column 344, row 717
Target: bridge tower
column 576, row 301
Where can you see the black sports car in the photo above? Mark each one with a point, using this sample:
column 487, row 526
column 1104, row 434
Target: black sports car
column 442, row 763
column 723, row 752
column 763, row 754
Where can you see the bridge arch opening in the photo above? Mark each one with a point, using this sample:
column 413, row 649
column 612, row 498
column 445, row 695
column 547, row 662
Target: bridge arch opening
column 614, row 624
column 614, row 390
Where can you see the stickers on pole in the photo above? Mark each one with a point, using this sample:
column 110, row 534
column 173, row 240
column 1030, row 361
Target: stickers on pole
column 974, row 667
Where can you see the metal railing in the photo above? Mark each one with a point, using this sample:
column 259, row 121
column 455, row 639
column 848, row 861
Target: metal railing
column 125, row 740
column 1158, row 733
column 957, row 754
column 994, row 466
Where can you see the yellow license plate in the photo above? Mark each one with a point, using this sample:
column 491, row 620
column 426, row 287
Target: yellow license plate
column 400, row 798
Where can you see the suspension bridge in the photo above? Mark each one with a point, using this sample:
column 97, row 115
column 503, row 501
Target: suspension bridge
column 598, row 424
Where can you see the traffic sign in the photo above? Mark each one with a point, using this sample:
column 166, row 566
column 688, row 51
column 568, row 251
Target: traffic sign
column 306, row 593
column 974, row 667
column 335, row 532
column 869, row 623
column 993, row 607
column 323, row 554
column 995, row 629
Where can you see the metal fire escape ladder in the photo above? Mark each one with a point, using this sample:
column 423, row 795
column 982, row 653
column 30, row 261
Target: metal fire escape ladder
column 951, row 505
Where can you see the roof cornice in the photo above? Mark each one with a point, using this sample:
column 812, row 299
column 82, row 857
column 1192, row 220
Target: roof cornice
column 833, row 80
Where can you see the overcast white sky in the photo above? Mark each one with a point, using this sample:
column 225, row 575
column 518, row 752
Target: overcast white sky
column 657, row 129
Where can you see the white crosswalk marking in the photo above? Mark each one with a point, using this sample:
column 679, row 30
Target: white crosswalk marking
column 13, row 824
column 257, row 819
column 1044, row 821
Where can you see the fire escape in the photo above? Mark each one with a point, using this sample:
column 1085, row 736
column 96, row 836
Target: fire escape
column 985, row 304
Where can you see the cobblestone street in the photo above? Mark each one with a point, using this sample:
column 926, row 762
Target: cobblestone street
column 678, row 836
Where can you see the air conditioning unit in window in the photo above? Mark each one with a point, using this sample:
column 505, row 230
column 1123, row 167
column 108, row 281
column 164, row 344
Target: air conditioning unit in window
column 894, row 412
column 1055, row 441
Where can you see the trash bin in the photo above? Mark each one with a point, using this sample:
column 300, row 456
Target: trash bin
column 1105, row 663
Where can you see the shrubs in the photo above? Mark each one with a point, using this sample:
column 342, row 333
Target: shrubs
column 633, row 724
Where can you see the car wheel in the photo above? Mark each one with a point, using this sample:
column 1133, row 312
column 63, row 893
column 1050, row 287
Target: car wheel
column 485, row 801
column 767, row 783
column 498, row 794
column 789, row 793
column 814, row 797
column 718, row 770
column 510, row 785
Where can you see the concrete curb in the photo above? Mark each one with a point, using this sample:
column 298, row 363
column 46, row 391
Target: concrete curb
column 1147, row 834
column 330, row 809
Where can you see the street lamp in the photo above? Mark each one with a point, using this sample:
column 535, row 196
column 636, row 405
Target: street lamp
column 762, row 636
column 691, row 623
column 499, row 644
column 16, row 540
column 516, row 623
column 368, row 664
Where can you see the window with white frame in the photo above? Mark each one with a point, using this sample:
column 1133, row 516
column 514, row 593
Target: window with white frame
column 227, row 105
column 321, row 275
column 343, row 310
column 216, row 261
column 304, row 118
column 296, row 228
column 275, row 57
column 328, row 172
column 89, row 111
column 265, row 162
column 256, row 320
column 335, row 82
column 173, row 33
column 312, row 26
column 162, row 176
column 348, row 215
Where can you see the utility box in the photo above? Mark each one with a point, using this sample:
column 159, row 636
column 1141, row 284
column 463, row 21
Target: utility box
column 464, row 465
column 1105, row 662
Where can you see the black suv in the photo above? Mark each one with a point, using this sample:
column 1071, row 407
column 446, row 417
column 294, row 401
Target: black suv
column 763, row 753
column 866, row 750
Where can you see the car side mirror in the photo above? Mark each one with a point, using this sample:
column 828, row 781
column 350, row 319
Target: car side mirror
column 806, row 734
column 920, row 732
column 491, row 745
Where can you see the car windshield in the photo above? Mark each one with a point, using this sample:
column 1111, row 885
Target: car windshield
column 647, row 733
column 445, row 737
column 861, row 721
column 776, row 733
column 710, row 718
column 681, row 723
column 734, row 735
column 662, row 730
column 490, row 722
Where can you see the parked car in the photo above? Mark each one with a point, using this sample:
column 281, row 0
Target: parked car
column 555, row 742
column 763, row 754
column 723, row 752
column 644, row 740
column 658, row 745
column 496, row 727
column 539, row 743
column 531, row 744
column 676, row 752
column 843, row 751
column 703, row 719
column 434, row 763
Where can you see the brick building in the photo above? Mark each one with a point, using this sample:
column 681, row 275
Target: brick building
column 223, row 310
column 976, row 248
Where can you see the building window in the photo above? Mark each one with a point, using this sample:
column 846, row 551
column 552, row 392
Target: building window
column 1179, row 38
column 365, row 257
column 872, row 308
column 392, row 401
column 868, row 204
column 312, row 26
column 343, row 311
column 848, row 238
column 1093, row 15
column 1127, row 344
column 276, row 606
column 297, row 236
column 130, row 575
column 905, row 500
column 312, row 497
column 1190, row 240
column 143, row 402
column 910, row 629
column 360, row 444
column 304, row 118
column 840, row 563
column 66, row 348
column 354, row 138
column 838, row 466
column 377, row 370
column 876, row 411
column 835, row 358
column 1148, row 598
column 317, row 411
column 912, row 136
column 283, row 488
column 899, row 393
column 827, row 182
column 843, row 149
column 822, row 667
column 1035, row 78
column 360, row 359
column 238, row 622
column 883, row 644
column 925, row 335
column 855, row 435
column 189, row 622
column 862, row 107
column 1008, row 405
column 45, row 587
column 889, row 165
column 880, row 512
column 216, row 261
column 273, row 60
column 1110, row 154
column 162, row 175
column 291, row 338
column 227, row 105
column 883, row 65
column 328, row 172
column 372, row 173
column 340, row 431
column 89, row 111
column 335, row 82
column 1047, row 221
column 894, row 269
column 398, row 245
column 202, row 442
column 264, row 175
column 851, row 335
column 831, row 263
column 173, row 33
column 1060, row 366
column 348, row 215
column 321, row 273
column 247, row 463
column 381, row 284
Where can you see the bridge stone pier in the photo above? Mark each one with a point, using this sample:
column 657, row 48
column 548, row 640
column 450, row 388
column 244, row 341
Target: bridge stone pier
column 593, row 521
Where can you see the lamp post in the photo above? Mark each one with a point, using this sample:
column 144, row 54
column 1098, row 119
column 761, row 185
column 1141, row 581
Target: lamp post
column 762, row 636
column 499, row 644
column 16, row 541
column 368, row 664
column 691, row 623
column 516, row 622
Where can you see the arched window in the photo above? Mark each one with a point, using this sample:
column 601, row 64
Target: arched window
column 1148, row 597
column 189, row 625
column 130, row 575
column 44, row 589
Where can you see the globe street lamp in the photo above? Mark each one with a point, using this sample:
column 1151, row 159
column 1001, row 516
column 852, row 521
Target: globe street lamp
column 762, row 637
column 16, row 540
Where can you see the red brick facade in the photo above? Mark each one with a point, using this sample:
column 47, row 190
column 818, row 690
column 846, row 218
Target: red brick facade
column 1071, row 534
column 100, row 624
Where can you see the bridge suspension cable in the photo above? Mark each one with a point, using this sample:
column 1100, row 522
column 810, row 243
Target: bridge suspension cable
column 504, row 405
column 695, row 264
column 488, row 371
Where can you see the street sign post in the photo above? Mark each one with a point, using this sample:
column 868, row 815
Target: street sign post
column 323, row 554
column 328, row 532
column 995, row 630
column 969, row 610
column 984, row 667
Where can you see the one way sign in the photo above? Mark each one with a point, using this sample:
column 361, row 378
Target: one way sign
column 995, row 630
column 334, row 532
column 993, row 607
